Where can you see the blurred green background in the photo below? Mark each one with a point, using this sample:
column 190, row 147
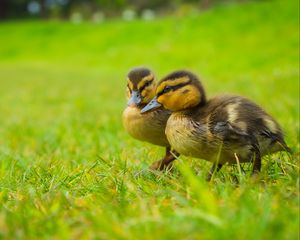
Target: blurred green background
column 68, row 168
column 98, row 10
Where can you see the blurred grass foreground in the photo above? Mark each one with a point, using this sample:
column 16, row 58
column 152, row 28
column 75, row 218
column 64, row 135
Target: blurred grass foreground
column 68, row 168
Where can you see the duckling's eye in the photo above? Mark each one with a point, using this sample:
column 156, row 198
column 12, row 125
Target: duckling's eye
column 167, row 89
column 148, row 83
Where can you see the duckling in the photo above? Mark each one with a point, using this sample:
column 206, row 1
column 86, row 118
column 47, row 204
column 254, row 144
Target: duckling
column 149, row 127
column 223, row 129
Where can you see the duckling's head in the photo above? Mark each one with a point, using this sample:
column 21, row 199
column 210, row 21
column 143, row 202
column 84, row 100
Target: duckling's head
column 140, row 86
column 178, row 91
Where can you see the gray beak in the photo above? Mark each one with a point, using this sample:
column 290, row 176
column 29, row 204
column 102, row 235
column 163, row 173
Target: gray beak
column 135, row 99
column 151, row 105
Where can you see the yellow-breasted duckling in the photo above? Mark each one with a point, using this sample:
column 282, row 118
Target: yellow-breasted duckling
column 223, row 129
column 149, row 127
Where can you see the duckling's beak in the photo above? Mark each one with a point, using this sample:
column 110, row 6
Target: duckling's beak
column 151, row 105
column 135, row 99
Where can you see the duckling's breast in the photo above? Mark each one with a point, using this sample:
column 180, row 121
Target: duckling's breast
column 188, row 137
column 149, row 127
column 194, row 138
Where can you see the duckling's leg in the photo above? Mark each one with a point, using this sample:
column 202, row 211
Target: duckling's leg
column 257, row 158
column 165, row 163
column 214, row 169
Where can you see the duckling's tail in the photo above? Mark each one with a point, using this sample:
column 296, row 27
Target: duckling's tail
column 288, row 149
column 285, row 147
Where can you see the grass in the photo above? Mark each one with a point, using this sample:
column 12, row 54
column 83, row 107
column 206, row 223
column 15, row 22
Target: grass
column 68, row 169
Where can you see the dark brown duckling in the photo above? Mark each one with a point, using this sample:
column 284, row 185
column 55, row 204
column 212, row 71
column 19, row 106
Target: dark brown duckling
column 223, row 129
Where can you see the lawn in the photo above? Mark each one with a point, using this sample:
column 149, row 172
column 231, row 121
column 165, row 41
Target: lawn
column 69, row 170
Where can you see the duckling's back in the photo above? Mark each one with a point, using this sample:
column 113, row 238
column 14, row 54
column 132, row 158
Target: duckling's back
column 231, row 123
column 234, row 118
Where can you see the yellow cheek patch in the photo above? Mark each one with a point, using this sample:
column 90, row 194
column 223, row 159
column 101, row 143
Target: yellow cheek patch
column 183, row 98
column 172, row 83
column 128, row 93
column 148, row 94
column 145, row 92
column 130, row 85
column 144, row 80
column 163, row 99
column 171, row 101
column 190, row 95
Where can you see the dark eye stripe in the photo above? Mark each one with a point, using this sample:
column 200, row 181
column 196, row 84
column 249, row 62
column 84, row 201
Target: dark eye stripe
column 172, row 88
column 147, row 83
